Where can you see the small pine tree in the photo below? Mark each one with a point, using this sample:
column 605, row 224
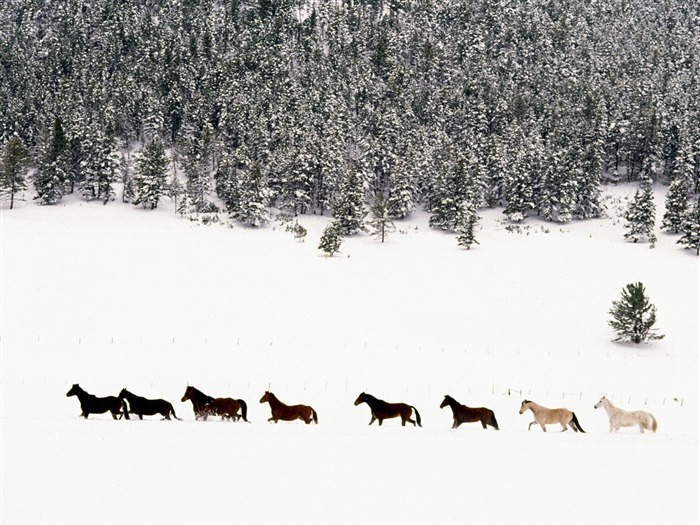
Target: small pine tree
column 331, row 239
column 150, row 179
column 380, row 224
column 641, row 213
column 13, row 167
column 467, row 235
column 691, row 229
column 634, row 316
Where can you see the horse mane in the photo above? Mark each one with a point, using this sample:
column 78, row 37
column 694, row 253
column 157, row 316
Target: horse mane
column 201, row 394
column 370, row 397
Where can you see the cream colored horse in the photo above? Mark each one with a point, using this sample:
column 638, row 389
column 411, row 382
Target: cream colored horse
column 551, row 416
column 621, row 418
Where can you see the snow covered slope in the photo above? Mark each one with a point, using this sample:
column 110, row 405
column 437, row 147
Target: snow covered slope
column 115, row 296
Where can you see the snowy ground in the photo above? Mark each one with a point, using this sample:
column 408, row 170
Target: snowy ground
column 115, row 296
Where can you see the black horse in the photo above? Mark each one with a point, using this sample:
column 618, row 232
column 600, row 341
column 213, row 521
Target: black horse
column 98, row 405
column 147, row 407
column 382, row 410
column 204, row 405
column 464, row 414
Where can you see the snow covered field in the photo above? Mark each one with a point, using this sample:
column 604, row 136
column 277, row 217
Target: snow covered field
column 115, row 296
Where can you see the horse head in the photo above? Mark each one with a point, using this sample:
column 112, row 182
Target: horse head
column 524, row 406
column 189, row 392
column 74, row 391
column 266, row 396
column 446, row 401
column 124, row 392
column 360, row 399
column 600, row 403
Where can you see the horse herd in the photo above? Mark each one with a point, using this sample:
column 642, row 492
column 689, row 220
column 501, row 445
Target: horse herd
column 228, row 408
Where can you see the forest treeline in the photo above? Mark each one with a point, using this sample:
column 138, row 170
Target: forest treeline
column 319, row 106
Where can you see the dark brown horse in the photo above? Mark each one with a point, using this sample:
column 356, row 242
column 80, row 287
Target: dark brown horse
column 465, row 414
column 382, row 410
column 287, row 412
column 205, row 406
column 148, row 407
column 98, row 405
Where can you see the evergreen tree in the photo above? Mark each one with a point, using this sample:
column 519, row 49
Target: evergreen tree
column 331, row 239
column 127, row 179
column 467, row 233
column 15, row 159
column 98, row 167
column 52, row 174
column 455, row 197
column 641, row 213
column 678, row 194
column 150, row 180
column 349, row 203
column 691, row 229
column 518, row 191
column 380, row 224
column 253, row 197
column 633, row 315
column 401, row 201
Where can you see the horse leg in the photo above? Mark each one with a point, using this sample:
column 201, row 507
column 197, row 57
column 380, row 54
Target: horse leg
column 456, row 423
column 373, row 420
column 483, row 423
column 564, row 428
column 534, row 422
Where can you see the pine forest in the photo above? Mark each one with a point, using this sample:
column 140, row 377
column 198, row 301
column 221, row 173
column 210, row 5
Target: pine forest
column 326, row 107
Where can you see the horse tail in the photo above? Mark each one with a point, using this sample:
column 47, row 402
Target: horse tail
column 576, row 423
column 314, row 415
column 244, row 410
column 654, row 424
column 125, row 410
column 172, row 411
column 494, row 423
column 417, row 416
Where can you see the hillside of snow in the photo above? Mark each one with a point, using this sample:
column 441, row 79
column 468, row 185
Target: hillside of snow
column 116, row 296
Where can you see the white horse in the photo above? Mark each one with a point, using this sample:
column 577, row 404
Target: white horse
column 622, row 418
column 550, row 416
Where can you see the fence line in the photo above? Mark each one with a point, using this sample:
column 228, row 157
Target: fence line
column 343, row 386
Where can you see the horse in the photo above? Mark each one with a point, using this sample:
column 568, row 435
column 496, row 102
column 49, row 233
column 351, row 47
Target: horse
column 464, row 414
column 382, row 410
column 288, row 412
column 98, row 405
column 148, row 407
column 550, row 416
column 621, row 418
column 205, row 406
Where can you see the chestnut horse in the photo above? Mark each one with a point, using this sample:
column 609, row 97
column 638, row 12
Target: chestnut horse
column 621, row 418
column 205, row 406
column 464, row 414
column 382, row 410
column 98, row 405
column 147, row 407
column 288, row 412
column 550, row 416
